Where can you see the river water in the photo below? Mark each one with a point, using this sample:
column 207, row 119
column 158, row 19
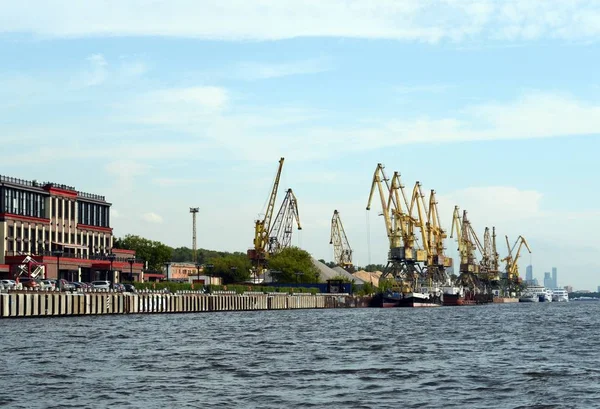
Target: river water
column 542, row 355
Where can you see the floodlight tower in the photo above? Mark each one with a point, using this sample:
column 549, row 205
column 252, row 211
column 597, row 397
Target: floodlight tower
column 194, row 211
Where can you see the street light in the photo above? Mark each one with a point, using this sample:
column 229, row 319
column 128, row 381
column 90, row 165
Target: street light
column 111, row 257
column 298, row 274
column 58, row 254
column 198, row 265
column 233, row 270
column 209, row 268
column 131, row 261
column 274, row 274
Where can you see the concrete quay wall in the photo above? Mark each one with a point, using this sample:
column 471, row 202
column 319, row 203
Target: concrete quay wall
column 46, row 304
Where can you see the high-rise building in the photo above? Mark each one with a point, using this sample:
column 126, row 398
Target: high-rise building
column 554, row 278
column 529, row 274
column 548, row 283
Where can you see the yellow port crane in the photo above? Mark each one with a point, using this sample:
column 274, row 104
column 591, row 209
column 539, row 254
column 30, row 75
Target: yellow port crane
column 280, row 235
column 489, row 260
column 262, row 228
column 467, row 244
column 402, row 258
column 432, row 235
column 342, row 253
column 512, row 265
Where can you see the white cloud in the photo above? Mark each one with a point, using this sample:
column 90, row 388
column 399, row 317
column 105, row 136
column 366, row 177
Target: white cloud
column 133, row 68
column 173, row 182
column 178, row 107
column 421, row 20
column 97, row 72
column 256, row 70
column 125, row 171
column 151, row 217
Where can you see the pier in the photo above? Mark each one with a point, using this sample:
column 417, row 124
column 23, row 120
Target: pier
column 52, row 304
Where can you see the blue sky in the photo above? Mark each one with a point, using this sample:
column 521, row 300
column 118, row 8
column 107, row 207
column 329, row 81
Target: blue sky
column 166, row 105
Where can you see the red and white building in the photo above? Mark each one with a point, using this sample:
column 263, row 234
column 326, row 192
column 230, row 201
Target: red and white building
column 53, row 231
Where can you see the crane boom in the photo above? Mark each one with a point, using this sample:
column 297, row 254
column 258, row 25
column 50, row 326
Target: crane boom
column 342, row 252
column 262, row 227
column 512, row 267
column 402, row 258
column 379, row 177
column 422, row 220
column 280, row 235
column 437, row 235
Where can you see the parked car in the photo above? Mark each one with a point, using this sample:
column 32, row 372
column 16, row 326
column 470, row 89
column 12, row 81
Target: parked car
column 79, row 285
column 66, row 285
column 47, row 284
column 118, row 287
column 103, row 284
column 129, row 288
column 28, row 282
column 8, row 284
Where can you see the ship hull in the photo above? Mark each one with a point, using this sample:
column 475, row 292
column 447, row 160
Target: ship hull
column 451, row 300
column 468, row 299
column 409, row 302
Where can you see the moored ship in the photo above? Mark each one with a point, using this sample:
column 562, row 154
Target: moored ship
column 411, row 299
column 529, row 297
column 560, row 295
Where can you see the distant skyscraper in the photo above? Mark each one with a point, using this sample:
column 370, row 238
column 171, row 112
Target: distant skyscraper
column 548, row 283
column 554, row 278
column 529, row 274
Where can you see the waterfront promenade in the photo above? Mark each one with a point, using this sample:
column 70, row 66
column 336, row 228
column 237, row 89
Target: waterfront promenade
column 52, row 304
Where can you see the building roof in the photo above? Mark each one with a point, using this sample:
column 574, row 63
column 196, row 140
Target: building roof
column 327, row 273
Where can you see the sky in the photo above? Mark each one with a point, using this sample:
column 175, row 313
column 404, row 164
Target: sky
column 166, row 105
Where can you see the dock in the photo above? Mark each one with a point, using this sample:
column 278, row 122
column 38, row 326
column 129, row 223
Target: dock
column 54, row 304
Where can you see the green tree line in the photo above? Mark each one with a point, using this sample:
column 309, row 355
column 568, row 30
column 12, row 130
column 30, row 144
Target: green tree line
column 291, row 264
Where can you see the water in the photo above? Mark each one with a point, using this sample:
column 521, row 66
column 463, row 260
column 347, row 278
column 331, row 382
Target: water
column 508, row 356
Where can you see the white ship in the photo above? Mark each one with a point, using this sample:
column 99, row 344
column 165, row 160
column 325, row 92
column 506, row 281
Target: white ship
column 560, row 295
column 544, row 294
column 528, row 296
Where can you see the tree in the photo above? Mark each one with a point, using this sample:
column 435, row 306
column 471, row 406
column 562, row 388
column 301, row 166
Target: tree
column 232, row 268
column 183, row 254
column 154, row 252
column 374, row 267
column 292, row 261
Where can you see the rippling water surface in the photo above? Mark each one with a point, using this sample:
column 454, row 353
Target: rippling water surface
column 494, row 356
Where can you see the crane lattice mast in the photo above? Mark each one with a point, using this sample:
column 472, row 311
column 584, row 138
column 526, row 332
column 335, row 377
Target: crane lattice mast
column 262, row 228
column 342, row 253
column 467, row 244
column 432, row 235
column 280, row 236
column 512, row 266
column 403, row 259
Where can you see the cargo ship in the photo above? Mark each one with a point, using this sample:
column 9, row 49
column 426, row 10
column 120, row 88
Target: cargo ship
column 412, row 299
column 455, row 296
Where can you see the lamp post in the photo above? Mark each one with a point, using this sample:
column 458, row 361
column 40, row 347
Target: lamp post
column 111, row 258
column 298, row 274
column 198, row 265
column 274, row 274
column 58, row 254
column 233, row 270
column 131, row 261
column 209, row 268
